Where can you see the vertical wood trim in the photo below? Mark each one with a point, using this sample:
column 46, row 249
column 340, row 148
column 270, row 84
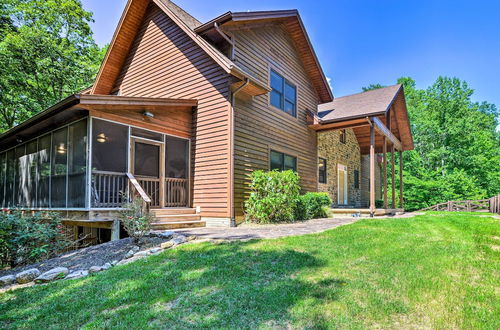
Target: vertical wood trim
column 372, row 171
column 393, row 177
column 401, row 183
column 385, row 172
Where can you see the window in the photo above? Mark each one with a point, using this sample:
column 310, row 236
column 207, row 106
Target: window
column 44, row 157
column 356, row 179
column 283, row 162
column 176, row 158
column 283, row 94
column 109, row 146
column 77, row 165
column 322, row 170
column 58, row 178
column 343, row 137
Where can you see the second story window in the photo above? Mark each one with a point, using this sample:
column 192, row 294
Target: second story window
column 343, row 137
column 283, row 162
column 283, row 94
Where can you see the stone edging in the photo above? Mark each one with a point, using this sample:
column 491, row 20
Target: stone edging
column 34, row 276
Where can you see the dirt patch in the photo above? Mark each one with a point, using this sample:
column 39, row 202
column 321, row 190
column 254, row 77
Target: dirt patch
column 83, row 259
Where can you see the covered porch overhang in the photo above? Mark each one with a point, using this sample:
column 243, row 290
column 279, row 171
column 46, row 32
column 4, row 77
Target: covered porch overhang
column 50, row 162
column 379, row 119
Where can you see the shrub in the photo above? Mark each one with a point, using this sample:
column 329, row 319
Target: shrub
column 135, row 220
column 313, row 205
column 31, row 237
column 273, row 196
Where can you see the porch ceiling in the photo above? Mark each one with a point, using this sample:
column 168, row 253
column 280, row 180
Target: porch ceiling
column 80, row 105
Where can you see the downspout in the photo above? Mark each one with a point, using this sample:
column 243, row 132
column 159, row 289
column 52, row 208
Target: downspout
column 226, row 37
column 231, row 146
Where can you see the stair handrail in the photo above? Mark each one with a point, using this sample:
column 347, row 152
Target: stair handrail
column 139, row 190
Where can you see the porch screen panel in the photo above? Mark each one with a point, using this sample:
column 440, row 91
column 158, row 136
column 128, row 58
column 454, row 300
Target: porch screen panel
column 20, row 177
column 2, row 179
column 32, row 173
column 44, row 157
column 109, row 146
column 77, row 170
column 9, row 178
column 176, row 158
column 59, row 168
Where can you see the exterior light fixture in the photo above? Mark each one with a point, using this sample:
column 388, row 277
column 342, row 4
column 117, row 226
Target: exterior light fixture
column 148, row 114
column 101, row 138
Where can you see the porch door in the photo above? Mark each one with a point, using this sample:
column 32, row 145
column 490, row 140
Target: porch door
column 147, row 159
column 342, row 185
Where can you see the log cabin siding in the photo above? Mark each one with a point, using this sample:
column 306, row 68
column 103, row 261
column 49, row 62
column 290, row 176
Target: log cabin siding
column 165, row 62
column 259, row 127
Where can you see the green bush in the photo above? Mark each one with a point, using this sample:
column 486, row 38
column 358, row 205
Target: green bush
column 273, row 197
column 313, row 205
column 135, row 220
column 26, row 238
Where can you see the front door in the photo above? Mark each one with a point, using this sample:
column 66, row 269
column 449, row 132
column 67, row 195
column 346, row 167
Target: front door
column 342, row 185
column 146, row 164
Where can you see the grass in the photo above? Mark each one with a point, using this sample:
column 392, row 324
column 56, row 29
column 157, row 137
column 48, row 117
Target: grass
column 432, row 271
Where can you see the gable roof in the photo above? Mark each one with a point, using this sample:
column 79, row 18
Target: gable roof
column 127, row 29
column 365, row 104
column 352, row 111
column 295, row 27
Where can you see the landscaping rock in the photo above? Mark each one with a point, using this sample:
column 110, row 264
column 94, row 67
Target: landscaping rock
column 179, row 239
column 191, row 238
column 115, row 262
column 165, row 234
column 135, row 248
column 167, row 245
column 106, row 266
column 53, row 274
column 7, row 280
column 95, row 269
column 141, row 254
column 130, row 254
column 27, row 276
column 155, row 250
column 77, row 274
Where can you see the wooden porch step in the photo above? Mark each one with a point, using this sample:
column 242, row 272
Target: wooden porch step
column 177, row 224
column 177, row 217
column 171, row 211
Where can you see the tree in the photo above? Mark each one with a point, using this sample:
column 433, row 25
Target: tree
column 46, row 53
column 457, row 146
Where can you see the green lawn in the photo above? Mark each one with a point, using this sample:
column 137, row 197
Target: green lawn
column 432, row 271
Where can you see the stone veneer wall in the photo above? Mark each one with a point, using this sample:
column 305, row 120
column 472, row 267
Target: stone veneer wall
column 348, row 154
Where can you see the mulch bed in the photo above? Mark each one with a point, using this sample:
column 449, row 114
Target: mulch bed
column 85, row 258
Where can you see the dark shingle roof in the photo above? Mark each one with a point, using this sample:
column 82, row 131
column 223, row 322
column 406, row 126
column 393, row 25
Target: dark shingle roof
column 369, row 103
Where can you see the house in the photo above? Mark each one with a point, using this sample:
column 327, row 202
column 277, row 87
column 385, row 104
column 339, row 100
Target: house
column 182, row 111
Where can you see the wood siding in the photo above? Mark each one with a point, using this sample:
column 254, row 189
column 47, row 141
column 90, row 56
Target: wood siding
column 260, row 127
column 165, row 62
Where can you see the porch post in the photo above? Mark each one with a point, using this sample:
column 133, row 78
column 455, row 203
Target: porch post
column 393, row 177
column 401, row 183
column 372, row 171
column 385, row 172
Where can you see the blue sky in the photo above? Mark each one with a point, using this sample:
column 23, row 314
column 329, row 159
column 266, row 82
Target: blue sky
column 360, row 42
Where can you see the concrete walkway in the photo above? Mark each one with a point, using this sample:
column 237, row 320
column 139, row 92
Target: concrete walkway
column 253, row 231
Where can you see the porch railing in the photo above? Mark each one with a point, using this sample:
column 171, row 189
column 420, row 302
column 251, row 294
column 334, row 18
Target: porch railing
column 176, row 192
column 112, row 190
column 152, row 188
column 109, row 189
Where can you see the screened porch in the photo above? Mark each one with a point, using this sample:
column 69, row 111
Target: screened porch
column 68, row 159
